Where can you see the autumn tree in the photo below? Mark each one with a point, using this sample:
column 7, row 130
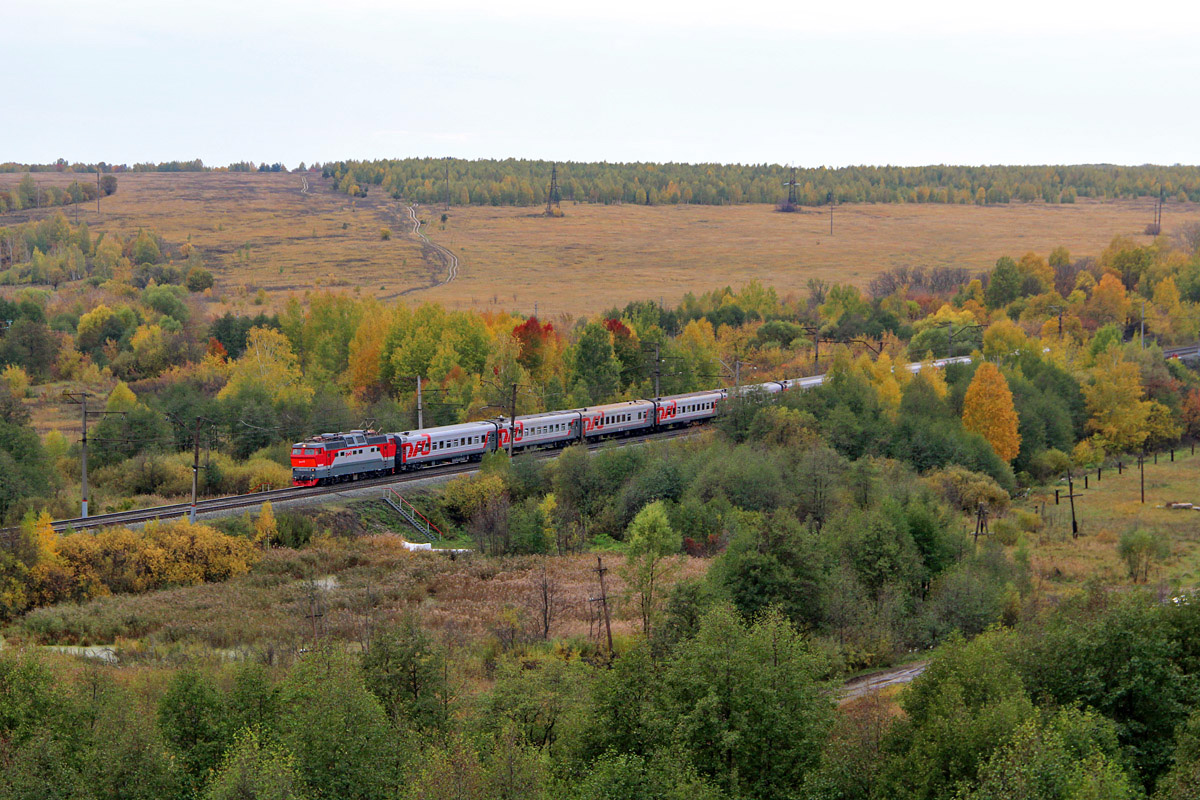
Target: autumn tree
column 365, row 356
column 268, row 365
column 988, row 410
column 1109, row 303
column 265, row 527
column 534, row 338
column 1119, row 413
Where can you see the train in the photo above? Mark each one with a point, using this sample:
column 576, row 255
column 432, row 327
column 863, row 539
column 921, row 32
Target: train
column 330, row 458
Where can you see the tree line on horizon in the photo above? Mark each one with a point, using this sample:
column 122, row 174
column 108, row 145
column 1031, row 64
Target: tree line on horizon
column 514, row 182
column 524, row 182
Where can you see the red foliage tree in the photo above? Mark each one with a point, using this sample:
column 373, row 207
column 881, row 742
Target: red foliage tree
column 533, row 338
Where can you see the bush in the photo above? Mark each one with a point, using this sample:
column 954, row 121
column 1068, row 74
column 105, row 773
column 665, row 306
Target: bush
column 1006, row 531
column 164, row 554
column 256, row 475
column 1139, row 548
column 965, row 490
column 1027, row 521
column 1049, row 464
column 199, row 279
column 294, row 530
column 146, row 474
column 16, row 379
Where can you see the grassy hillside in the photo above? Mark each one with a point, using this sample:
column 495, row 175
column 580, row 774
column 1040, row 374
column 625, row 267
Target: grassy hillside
column 261, row 231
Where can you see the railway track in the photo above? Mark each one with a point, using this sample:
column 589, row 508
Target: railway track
column 291, row 493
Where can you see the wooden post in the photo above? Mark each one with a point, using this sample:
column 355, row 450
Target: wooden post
column 1142, row 470
column 1071, row 497
column 1056, row 497
column 600, row 570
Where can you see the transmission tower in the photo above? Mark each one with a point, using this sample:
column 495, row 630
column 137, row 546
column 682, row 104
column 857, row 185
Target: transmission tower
column 791, row 188
column 552, row 196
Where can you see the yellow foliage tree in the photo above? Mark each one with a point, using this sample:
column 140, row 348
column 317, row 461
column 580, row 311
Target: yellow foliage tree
column 265, row 528
column 988, row 410
column 1004, row 341
column 1109, row 302
column 1114, row 399
column 1034, row 266
column 121, row 399
column 934, row 377
column 366, row 354
column 17, row 380
column 268, row 363
column 1168, row 316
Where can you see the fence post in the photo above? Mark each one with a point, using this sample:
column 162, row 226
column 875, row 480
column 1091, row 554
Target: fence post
column 1120, row 468
column 1172, row 455
column 1056, row 497
column 1085, row 480
column 1099, row 473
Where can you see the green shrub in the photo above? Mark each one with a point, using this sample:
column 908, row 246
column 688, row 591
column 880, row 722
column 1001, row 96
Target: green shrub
column 1006, row 531
column 1027, row 521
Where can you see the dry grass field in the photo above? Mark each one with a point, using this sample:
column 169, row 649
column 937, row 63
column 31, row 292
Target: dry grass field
column 1109, row 508
column 261, row 231
column 367, row 582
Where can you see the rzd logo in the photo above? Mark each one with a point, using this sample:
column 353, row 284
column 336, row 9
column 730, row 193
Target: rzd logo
column 420, row 447
column 666, row 411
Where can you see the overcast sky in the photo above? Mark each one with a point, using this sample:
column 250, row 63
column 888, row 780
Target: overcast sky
column 832, row 83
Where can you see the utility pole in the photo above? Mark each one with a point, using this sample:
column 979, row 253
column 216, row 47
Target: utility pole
column 1143, row 323
column 447, row 184
column 829, row 199
column 658, row 359
column 97, row 190
column 420, row 404
column 1071, row 497
column 600, row 570
column 195, row 468
column 815, row 332
column 81, row 398
column 314, row 609
column 657, row 370
column 512, row 421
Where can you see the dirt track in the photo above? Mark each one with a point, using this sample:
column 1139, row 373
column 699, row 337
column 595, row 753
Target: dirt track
column 868, row 684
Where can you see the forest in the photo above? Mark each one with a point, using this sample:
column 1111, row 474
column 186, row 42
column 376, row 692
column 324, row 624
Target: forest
column 801, row 539
column 518, row 182
column 513, row 182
